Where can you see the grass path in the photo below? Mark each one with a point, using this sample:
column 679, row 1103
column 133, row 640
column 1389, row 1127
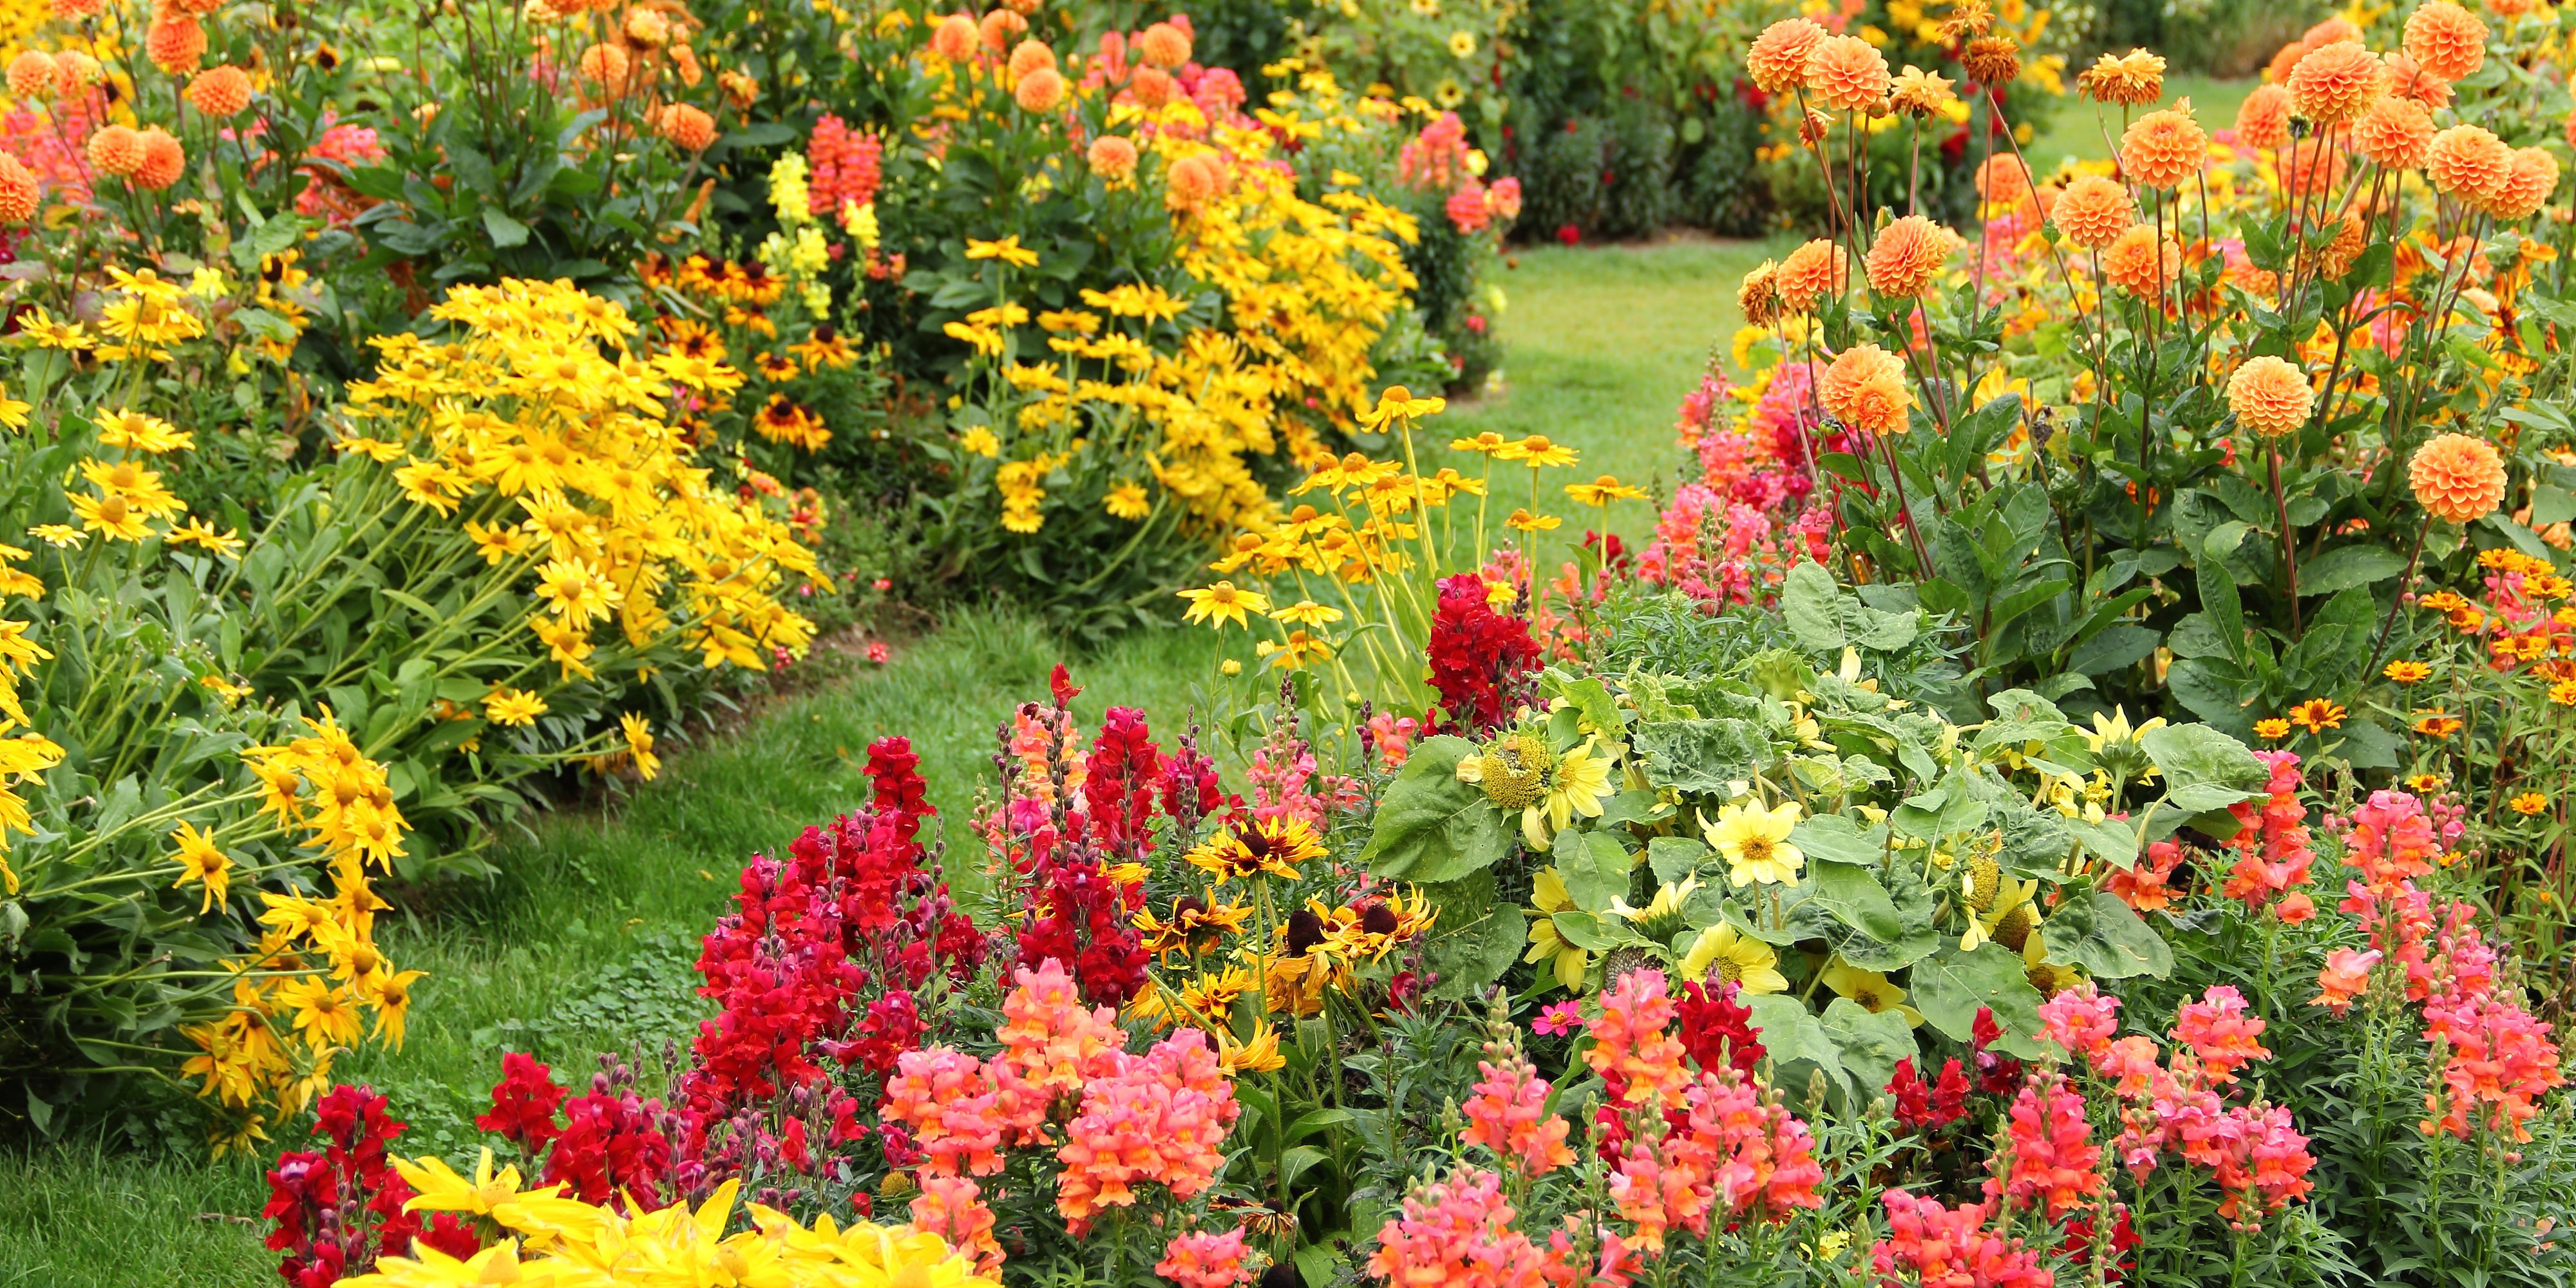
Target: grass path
column 587, row 939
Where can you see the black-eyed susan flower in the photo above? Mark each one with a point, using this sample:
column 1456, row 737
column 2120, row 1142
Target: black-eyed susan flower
column 1008, row 250
column 2426, row 784
column 201, row 862
column 1484, row 444
column 1127, row 501
column 2272, row 729
column 1522, row 520
column 1307, row 612
column 2407, row 672
column 1272, row 846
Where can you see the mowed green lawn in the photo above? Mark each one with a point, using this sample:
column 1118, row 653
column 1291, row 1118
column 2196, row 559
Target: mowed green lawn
column 585, row 942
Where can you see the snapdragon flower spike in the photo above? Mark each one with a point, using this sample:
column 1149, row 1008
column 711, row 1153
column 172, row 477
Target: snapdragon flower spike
column 523, row 1104
column 1477, row 657
column 1158, row 1118
column 336, row 1209
column 616, row 1144
column 1717, row 1030
column 1929, row 1244
column 1190, row 788
column 2051, row 1161
column 1458, row 1233
column 2220, row 1033
column 2273, row 845
column 1933, row 1106
column 1507, row 1114
column 1124, row 771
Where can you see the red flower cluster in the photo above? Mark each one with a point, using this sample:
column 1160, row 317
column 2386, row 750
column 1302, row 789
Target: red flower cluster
column 616, row 1144
column 1477, row 655
column 1717, row 1031
column 524, row 1102
column 1079, row 912
column 1933, row 1106
column 338, row 1208
column 1124, row 771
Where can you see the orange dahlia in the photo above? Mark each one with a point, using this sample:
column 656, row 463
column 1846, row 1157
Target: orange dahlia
column 1194, row 180
column 2446, row 40
column 606, row 67
column 1029, row 56
column 956, row 38
column 2132, row 264
column 2457, row 477
column 1992, row 61
column 2509, row 8
column 2134, row 79
column 1907, row 255
column 19, row 192
column 1112, row 157
column 2336, row 83
column 2468, row 162
column 2527, row 188
column 1848, row 74
column 1865, row 389
column 163, row 159
column 2277, row 72
column 1813, row 272
column 220, row 91
column 2163, row 148
column 2093, row 211
column 2003, row 180
column 2407, row 79
column 688, row 128
column 1163, row 45
column 115, row 150
column 2270, row 396
column 1152, row 86
column 175, row 46
column 2263, row 119
column 2308, row 169
column 34, row 75
column 1778, row 59
column 1041, row 91
column 2395, row 132
column 1000, row 28
column 2329, row 31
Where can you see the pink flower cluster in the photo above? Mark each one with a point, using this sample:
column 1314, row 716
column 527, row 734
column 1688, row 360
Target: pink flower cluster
column 1457, row 1233
column 1158, row 1118
column 1727, row 1150
column 2273, row 846
column 1507, row 1113
column 1730, row 536
column 2252, row 1150
column 2495, row 1059
column 1200, row 1259
column 1932, row 1245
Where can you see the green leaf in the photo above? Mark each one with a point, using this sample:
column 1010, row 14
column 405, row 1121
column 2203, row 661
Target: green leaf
column 1796, row 1044
column 1950, row 985
column 2197, row 756
column 1808, row 602
column 1839, row 839
column 1701, row 755
column 2112, row 842
column 1675, row 858
column 1852, row 893
column 1294, row 1162
column 2104, row 936
column 505, row 231
column 2125, row 644
column 2345, row 567
column 1477, row 936
column 1868, row 1043
column 1432, row 828
column 1589, row 696
column 1594, row 867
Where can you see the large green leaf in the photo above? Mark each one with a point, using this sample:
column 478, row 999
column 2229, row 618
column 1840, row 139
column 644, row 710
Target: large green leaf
column 1950, row 985
column 1477, row 937
column 1807, row 603
column 2348, row 566
column 1595, row 868
column 2096, row 931
column 1869, row 1043
column 1796, row 1044
column 1832, row 836
column 1852, row 893
column 1701, row 755
column 2204, row 769
column 1432, row 828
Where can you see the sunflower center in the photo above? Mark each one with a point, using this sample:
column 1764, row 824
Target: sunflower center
column 1515, row 772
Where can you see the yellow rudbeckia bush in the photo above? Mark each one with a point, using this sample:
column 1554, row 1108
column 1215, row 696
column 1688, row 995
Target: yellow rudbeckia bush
column 237, row 698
